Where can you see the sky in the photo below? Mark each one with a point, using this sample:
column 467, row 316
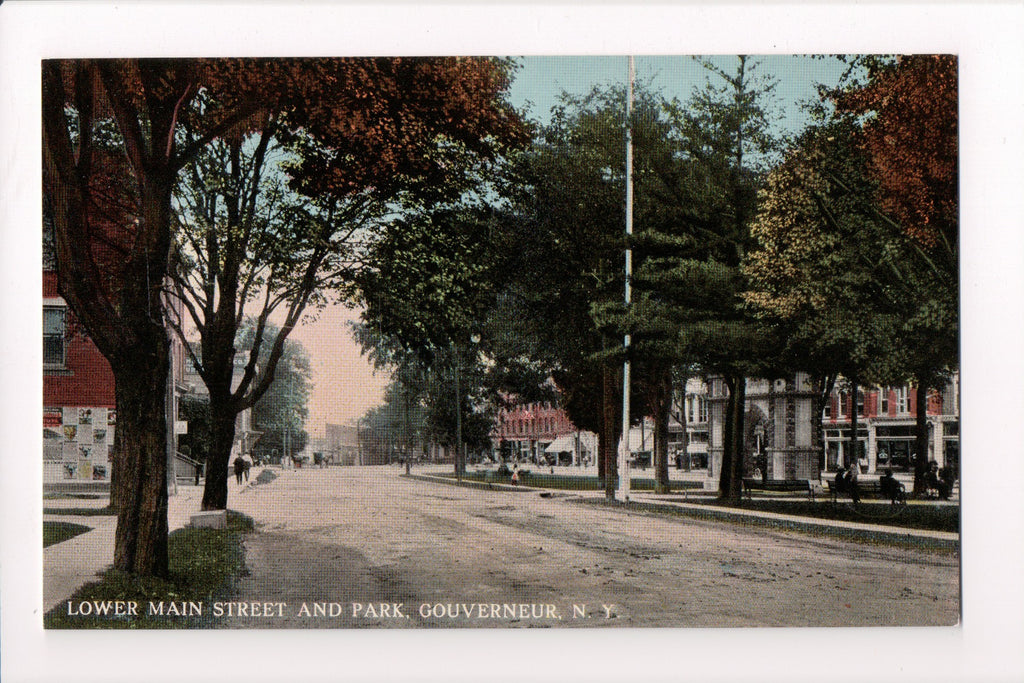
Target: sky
column 345, row 384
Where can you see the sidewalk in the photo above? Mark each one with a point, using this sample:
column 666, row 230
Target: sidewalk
column 69, row 565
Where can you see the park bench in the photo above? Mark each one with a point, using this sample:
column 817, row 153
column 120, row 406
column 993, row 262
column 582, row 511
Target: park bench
column 867, row 488
column 811, row 486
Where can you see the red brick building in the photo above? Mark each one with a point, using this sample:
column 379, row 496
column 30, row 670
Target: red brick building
column 525, row 431
column 886, row 419
column 79, row 414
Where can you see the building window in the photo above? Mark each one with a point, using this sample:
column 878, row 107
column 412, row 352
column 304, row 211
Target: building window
column 54, row 336
column 903, row 401
column 698, row 409
column 883, row 401
column 841, row 404
column 860, row 403
column 827, row 410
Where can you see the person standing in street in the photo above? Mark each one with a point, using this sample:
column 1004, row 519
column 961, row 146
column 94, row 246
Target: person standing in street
column 239, row 469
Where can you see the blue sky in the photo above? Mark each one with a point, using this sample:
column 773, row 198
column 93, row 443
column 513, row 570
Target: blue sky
column 540, row 80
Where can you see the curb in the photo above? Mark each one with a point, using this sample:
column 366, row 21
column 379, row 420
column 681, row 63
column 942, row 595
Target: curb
column 493, row 486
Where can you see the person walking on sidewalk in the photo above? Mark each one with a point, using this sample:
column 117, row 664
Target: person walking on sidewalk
column 239, row 469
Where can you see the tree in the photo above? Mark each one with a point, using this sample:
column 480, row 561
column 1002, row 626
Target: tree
column 425, row 294
column 564, row 232
column 280, row 414
column 724, row 134
column 113, row 128
column 248, row 239
column 110, row 159
column 909, row 105
column 822, row 274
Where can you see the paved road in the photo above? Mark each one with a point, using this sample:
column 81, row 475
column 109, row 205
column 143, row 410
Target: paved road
column 365, row 547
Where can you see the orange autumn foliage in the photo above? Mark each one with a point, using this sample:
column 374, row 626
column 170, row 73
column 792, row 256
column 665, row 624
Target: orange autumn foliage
column 910, row 135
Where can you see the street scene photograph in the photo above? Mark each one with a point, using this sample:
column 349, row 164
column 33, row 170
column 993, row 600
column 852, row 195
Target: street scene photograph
column 561, row 358
column 501, row 342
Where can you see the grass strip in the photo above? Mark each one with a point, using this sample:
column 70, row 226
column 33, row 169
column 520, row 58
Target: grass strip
column 725, row 514
column 81, row 512
column 565, row 482
column 205, row 565
column 58, row 532
column 916, row 515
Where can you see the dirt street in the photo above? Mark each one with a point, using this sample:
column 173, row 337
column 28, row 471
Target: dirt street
column 366, row 547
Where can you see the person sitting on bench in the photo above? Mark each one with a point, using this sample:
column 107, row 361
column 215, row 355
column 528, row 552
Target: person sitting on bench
column 890, row 488
column 934, row 482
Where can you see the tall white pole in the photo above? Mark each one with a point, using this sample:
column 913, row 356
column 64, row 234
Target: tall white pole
column 624, row 442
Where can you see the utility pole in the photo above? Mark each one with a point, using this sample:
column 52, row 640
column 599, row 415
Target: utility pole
column 458, row 418
column 624, row 443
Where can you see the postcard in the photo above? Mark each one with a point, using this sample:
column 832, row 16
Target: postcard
column 470, row 342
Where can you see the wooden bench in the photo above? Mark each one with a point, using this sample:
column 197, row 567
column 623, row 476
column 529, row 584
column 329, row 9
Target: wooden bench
column 811, row 486
column 866, row 488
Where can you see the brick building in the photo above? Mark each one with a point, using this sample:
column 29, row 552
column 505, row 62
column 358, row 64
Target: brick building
column 779, row 438
column 524, row 432
column 79, row 403
column 79, row 416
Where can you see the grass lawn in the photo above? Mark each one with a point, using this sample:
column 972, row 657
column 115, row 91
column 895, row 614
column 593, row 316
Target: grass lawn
column 568, row 482
column 56, row 532
column 916, row 514
column 204, row 564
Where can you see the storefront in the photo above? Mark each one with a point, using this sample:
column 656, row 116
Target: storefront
column 837, row 447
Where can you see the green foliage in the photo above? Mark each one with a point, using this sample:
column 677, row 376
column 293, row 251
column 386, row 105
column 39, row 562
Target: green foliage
column 285, row 405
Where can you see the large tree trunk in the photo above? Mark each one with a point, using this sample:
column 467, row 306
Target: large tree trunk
column 921, row 438
column 140, row 541
column 610, row 431
column 222, row 437
column 730, row 478
column 663, row 410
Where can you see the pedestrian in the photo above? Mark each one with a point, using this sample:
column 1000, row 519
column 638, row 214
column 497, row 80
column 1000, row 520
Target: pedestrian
column 239, row 469
column 515, row 476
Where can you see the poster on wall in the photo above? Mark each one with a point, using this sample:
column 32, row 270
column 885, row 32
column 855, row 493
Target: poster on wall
column 53, row 417
column 69, row 451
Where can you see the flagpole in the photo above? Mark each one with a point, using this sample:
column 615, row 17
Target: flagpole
column 624, row 442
